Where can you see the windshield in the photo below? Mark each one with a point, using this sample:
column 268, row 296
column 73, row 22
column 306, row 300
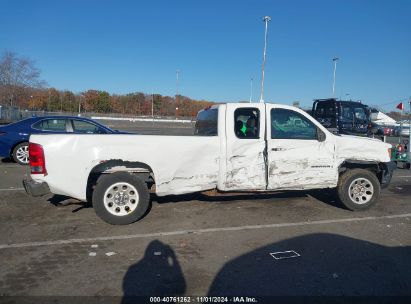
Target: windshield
column 354, row 113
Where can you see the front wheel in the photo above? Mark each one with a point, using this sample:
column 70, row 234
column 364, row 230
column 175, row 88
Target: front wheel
column 358, row 189
column 120, row 198
column 21, row 153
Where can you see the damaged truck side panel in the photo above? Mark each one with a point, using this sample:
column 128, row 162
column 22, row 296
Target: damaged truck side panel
column 239, row 147
column 180, row 164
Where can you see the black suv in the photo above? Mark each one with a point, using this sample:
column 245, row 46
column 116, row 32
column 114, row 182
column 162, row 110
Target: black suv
column 343, row 117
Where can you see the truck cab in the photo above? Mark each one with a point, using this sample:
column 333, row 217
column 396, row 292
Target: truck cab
column 343, row 117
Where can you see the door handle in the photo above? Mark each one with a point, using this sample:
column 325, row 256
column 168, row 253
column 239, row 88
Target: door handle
column 277, row 149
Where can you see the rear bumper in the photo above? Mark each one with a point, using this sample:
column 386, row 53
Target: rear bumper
column 387, row 170
column 34, row 188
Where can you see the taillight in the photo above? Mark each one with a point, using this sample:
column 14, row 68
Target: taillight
column 37, row 160
column 387, row 131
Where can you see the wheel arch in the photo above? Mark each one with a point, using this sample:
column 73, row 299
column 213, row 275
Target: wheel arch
column 373, row 166
column 357, row 164
column 119, row 165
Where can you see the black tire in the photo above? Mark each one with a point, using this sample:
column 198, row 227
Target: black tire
column 105, row 187
column 21, row 154
column 367, row 182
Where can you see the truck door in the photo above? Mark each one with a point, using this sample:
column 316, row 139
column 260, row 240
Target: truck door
column 245, row 160
column 300, row 156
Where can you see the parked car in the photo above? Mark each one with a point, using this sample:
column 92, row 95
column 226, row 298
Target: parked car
column 343, row 117
column 402, row 130
column 14, row 138
column 382, row 130
column 238, row 147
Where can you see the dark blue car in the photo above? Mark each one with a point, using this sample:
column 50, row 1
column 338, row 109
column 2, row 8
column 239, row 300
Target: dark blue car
column 14, row 137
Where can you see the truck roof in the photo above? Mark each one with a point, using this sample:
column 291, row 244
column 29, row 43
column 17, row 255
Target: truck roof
column 340, row 101
column 250, row 104
column 253, row 104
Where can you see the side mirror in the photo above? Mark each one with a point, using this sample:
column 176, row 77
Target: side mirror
column 320, row 135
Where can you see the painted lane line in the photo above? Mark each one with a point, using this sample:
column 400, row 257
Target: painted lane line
column 199, row 231
column 12, row 189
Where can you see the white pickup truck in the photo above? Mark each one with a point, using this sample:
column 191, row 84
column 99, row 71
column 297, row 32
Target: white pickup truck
column 236, row 147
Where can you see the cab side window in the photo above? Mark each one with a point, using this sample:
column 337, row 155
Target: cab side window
column 288, row 124
column 247, row 123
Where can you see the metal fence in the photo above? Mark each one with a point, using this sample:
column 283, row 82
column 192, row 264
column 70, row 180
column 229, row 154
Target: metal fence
column 9, row 114
column 12, row 114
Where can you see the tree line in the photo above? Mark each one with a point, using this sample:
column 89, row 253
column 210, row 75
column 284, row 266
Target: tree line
column 22, row 87
column 97, row 101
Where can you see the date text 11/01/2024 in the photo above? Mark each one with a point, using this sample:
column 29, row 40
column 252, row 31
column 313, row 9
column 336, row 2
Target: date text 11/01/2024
column 203, row 299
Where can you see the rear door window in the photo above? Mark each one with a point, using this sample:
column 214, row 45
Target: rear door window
column 80, row 126
column 207, row 122
column 52, row 125
column 325, row 113
column 247, row 123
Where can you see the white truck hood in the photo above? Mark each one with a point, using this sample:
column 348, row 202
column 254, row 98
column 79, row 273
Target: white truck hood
column 362, row 148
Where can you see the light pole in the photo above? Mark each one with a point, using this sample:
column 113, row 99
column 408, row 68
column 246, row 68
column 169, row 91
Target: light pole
column 177, row 74
column 152, row 107
column 251, row 90
column 79, row 106
column 335, row 59
column 48, row 103
column 266, row 19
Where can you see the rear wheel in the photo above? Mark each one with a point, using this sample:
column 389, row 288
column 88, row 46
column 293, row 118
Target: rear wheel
column 21, row 153
column 120, row 198
column 358, row 189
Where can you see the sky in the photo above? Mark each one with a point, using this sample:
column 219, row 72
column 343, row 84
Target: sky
column 137, row 46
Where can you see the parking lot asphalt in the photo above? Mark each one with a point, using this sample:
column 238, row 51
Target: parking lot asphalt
column 206, row 244
column 151, row 127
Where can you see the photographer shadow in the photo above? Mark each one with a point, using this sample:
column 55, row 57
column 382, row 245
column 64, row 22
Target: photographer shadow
column 157, row 273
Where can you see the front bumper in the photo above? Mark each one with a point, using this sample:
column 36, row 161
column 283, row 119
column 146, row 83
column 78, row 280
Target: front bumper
column 387, row 170
column 34, row 188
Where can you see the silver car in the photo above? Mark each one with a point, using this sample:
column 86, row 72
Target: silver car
column 403, row 130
